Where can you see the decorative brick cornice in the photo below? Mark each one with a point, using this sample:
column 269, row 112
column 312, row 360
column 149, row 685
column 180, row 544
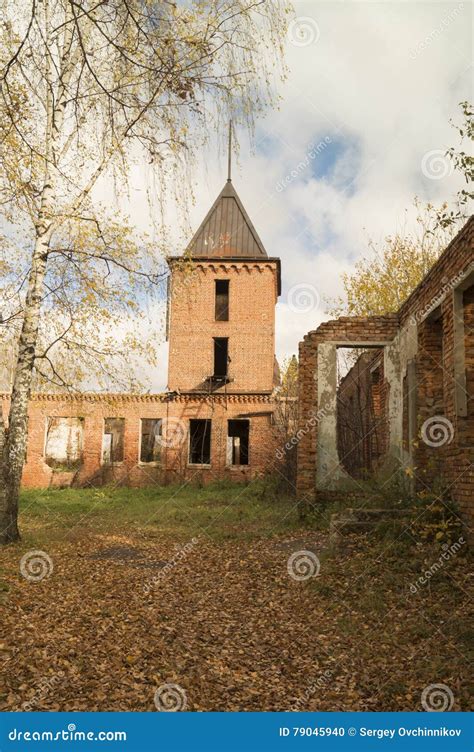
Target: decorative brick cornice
column 91, row 397
column 238, row 267
column 227, row 264
column 130, row 398
column 224, row 398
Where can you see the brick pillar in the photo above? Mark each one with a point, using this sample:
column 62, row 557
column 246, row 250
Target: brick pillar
column 307, row 432
column 92, row 454
column 430, row 402
column 462, row 461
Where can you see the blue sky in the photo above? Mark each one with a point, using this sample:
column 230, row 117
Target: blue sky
column 376, row 84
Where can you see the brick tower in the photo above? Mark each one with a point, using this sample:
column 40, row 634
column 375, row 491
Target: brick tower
column 221, row 331
column 216, row 419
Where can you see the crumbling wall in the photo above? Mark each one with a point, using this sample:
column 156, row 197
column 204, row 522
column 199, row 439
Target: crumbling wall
column 318, row 460
column 428, row 366
column 444, row 392
column 100, row 416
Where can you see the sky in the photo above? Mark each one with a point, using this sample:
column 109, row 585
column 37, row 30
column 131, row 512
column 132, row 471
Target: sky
column 362, row 128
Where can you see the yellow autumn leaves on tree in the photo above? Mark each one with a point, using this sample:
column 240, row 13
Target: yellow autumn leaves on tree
column 384, row 278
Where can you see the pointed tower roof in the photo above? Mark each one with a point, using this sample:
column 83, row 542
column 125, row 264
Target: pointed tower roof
column 227, row 230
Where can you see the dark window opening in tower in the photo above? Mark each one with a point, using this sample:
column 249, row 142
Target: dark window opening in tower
column 199, row 442
column 222, row 299
column 238, row 442
column 221, row 351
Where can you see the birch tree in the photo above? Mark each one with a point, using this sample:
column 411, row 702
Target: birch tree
column 89, row 87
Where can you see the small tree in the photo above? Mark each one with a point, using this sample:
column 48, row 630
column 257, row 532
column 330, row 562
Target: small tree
column 88, row 88
column 286, row 416
column 382, row 281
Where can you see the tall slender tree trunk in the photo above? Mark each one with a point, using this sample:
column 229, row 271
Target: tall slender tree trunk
column 7, row 521
column 13, row 440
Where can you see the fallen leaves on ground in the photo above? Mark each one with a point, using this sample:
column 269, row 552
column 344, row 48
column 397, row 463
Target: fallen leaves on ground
column 225, row 622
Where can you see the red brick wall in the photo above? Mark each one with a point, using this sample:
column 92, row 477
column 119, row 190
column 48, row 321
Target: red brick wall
column 191, row 326
column 452, row 462
column 362, row 428
column 434, row 370
column 430, row 378
column 250, row 328
column 345, row 329
column 174, row 461
column 460, row 460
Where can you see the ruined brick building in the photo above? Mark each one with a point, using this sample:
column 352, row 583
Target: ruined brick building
column 216, row 418
column 404, row 408
column 419, row 379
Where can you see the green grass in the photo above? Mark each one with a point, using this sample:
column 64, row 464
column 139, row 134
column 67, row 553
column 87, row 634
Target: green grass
column 223, row 510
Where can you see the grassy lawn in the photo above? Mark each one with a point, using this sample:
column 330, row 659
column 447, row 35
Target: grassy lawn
column 191, row 586
column 218, row 511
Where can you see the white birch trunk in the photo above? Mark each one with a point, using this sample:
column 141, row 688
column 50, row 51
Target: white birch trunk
column 14, row 439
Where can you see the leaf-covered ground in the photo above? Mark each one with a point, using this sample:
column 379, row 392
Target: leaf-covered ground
column 192, row 588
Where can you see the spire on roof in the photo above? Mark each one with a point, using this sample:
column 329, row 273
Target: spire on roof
column 227, row 230
column 229, row 154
